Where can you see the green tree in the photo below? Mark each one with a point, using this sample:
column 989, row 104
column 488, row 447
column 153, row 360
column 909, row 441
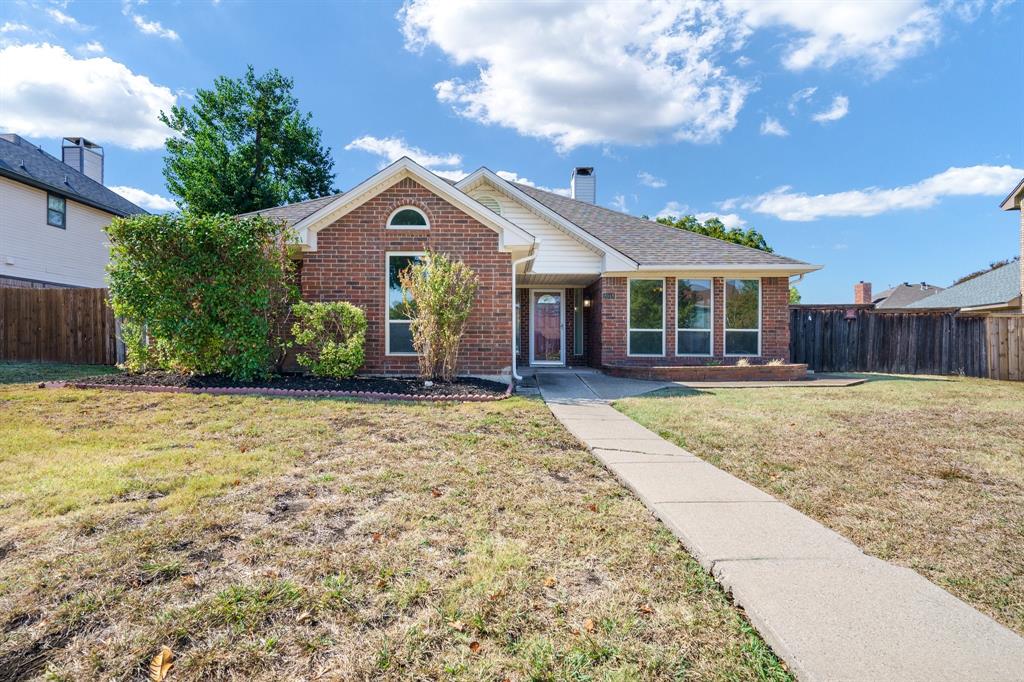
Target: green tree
column 794, row 295
column 713, row 227
column 244, row 146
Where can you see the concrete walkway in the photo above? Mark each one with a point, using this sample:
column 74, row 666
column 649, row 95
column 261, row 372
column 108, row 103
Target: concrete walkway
column 827, row 609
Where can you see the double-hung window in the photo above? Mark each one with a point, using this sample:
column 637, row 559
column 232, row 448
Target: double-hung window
column 694, row 300
column 742, row 317
column 399, row 311
column 646, row 334
column 56, row 211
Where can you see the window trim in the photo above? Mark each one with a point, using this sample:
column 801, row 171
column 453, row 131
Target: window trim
column 387, row 302
column 725, row 318
column 630, row 329
column 710, row 330
column 48, row 209
column 408, row 207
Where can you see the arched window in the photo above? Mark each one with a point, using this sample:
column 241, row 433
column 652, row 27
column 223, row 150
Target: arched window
column 408, row 218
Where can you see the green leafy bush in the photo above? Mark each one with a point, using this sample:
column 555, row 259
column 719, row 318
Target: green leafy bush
column 439, row 294
column 200, row 293
column 333, row 335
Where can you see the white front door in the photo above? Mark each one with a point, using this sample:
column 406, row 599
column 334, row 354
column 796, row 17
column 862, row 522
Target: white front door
column 547, row 327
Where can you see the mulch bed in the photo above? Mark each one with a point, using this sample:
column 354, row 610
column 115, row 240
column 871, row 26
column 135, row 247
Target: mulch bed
column 386, row 388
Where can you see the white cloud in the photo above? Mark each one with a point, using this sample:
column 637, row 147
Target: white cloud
column 618, row 203
column 63, row 19
column 650, row 180
column 453, row 175
column 91, row 47
column 512, row 176
column 393, row 148
column 785, row 204
column 147, row 200
column 771, row 126
column 674, row 209
column 585, row 73
column 12, row 27
column 840, row 108
column 154, row 28
column 800, row 96
column 49, row 93
column 876, row 34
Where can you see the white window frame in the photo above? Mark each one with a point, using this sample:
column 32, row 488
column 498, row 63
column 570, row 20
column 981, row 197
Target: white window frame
column 725, row 318
column 387, row 302
column 630, row 330
column 410, row 207
column 710, row 330
column 63, row 213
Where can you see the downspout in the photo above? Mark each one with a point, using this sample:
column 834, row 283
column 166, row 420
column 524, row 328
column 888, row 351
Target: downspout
column 525, row 259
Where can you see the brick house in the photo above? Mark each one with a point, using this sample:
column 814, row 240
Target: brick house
column 563, row 282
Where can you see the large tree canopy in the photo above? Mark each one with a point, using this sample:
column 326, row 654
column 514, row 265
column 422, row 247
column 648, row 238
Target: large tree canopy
column 245, row 146
column 713, row 227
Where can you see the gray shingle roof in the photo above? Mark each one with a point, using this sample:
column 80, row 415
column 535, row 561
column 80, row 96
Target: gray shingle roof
column 994, row 287
column 289, row 214
column 23, row 161
column 902, row 295
column 651, row 243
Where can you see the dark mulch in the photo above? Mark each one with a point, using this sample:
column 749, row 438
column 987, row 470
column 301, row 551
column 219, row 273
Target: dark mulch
column 296, row 382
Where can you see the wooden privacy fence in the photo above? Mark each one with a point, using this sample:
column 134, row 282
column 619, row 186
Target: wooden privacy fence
column 861, row 339
column 1006, row 347
column 57, row 325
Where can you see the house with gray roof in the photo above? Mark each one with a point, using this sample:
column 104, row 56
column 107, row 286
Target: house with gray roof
column 998, row 290
column 563, row 281
column 52, row 214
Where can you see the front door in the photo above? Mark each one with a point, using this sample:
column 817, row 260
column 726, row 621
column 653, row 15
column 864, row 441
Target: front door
column 547, row 343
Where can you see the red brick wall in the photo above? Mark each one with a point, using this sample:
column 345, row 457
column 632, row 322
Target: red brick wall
column 349, row 265
column 609, row 334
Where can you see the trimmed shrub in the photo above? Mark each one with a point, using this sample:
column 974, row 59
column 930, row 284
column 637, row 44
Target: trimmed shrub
column 202, row 294
column 333, row 335
column 438, row 293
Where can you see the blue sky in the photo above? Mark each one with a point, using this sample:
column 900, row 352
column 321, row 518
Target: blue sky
column 875, row 139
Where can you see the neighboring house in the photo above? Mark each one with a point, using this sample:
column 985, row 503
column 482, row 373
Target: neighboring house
column 1013, row 202
column 899, row 296
column 998, row 290
column 562, row 280
column 52, row 214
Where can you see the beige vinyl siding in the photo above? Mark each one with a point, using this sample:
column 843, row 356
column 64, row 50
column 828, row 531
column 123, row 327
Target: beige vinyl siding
column 31, row 249
column 559, row 252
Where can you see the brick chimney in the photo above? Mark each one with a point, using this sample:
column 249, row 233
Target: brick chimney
column 862, row 293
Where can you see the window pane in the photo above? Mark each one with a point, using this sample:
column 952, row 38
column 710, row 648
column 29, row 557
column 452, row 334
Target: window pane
column 408, row 216
column 397, row 309
column 400, row 338
column 55, row 203
column 645, row 343
column 645, row 304
column 741, row 343
column 694, row 304
column 693, row 343
column 55, row 218
column 741, row 303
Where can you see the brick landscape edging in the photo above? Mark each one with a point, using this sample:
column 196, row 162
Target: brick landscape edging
column 791, row 372
column 291, row 392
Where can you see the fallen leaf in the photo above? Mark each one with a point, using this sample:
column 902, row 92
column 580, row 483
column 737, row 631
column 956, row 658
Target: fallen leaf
column 435, row 492
column 474, row 646
column 646, row 608
column 457, row 625
column 376, row 537
column 592, row 507
column 588, row 624
column 161, row 664
column 549, row 581
column 304, row 617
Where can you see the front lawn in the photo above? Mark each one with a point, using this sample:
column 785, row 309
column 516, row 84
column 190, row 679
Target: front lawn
column 925, row 472
column 272, row 539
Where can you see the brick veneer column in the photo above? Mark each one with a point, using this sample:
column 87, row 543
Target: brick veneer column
column 349, row 265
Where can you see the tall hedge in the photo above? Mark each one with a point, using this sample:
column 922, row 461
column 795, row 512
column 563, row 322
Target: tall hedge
column 210, row 292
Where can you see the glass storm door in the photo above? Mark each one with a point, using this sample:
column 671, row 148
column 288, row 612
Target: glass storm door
column 546, row 312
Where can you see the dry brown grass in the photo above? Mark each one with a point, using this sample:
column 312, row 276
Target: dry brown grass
column 927, row 473
column 267, row 539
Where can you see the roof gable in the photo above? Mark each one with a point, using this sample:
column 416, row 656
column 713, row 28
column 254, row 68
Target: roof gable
column 323, row 214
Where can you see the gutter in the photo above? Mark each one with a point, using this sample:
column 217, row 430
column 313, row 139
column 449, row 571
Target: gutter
column 525, row 259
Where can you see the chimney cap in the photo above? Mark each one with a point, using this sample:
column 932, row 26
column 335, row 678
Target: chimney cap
column 82, row 142
column 583, row 170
